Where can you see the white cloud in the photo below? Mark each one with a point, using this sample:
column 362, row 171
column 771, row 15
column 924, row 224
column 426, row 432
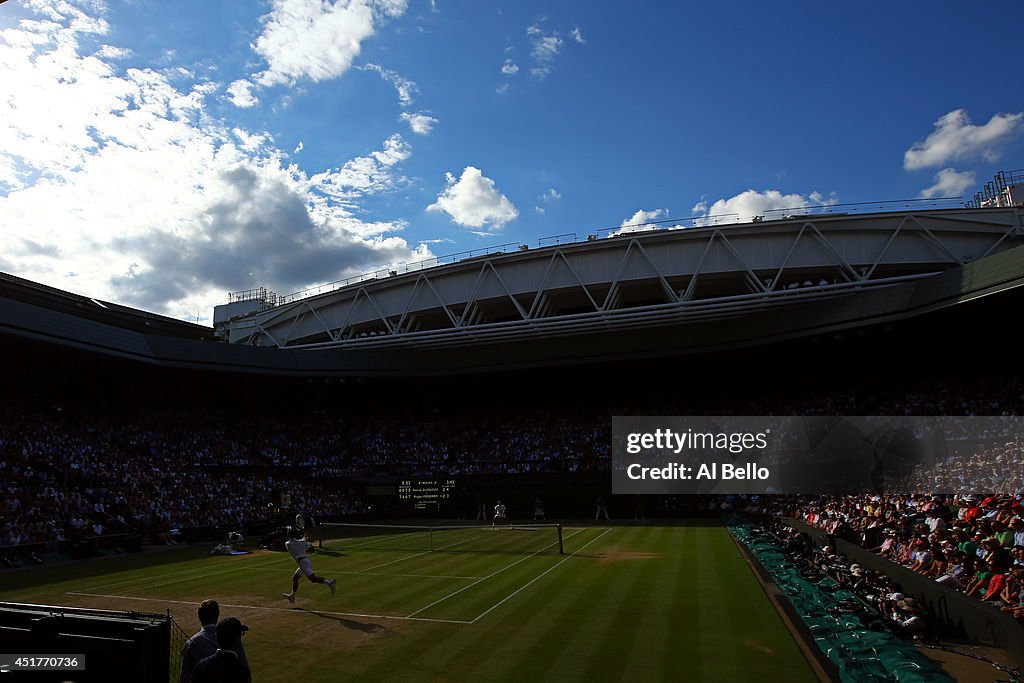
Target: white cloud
column 578, row 36
column 240, row 94
column 370, row 174
column 545, row 47
column 117, row 183
column 509, row 68
column 502, row 89
column 111, row 52
column 406, row 89
column 420, row 123
column 317, row 39
column 949, row 183
column 746, row 205
column 552, row 195
column 251, row 142
column 473, row 201
column 298, row 147
column 641, row 220
column 955, row 137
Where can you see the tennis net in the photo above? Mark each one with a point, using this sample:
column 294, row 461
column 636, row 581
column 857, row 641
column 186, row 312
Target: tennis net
column 506, row 538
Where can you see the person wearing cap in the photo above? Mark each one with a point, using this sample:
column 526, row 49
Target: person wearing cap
column 224, row 665
column 204, row 642
column 907, row 616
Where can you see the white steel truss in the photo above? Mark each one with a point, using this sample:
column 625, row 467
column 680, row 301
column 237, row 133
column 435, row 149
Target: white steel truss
column 634, row 280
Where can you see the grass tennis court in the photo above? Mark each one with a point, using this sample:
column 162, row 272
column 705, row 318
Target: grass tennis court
column 623, row 603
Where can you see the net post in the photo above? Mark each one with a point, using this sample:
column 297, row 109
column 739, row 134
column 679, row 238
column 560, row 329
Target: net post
column 320, row 537
column 561, row 547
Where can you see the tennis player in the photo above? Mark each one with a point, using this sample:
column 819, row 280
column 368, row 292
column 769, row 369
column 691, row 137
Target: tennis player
column 299, row 548
column 500, row 513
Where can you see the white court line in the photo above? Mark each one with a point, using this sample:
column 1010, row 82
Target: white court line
column 410, row 617
column 493, row 574
column 291, row 610
column 413, row 576
column 526, row 585
column 409, row 557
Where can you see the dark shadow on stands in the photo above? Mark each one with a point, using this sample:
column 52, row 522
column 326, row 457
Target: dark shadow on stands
column 956, row 614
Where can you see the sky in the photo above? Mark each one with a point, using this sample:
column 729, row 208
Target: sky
column 163, row 154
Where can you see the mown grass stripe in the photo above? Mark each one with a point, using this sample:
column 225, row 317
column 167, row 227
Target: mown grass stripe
column 569, row 609
column 634, row 605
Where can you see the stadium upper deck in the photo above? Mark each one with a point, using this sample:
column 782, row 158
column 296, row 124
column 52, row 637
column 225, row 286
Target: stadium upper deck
column 648, row 294
column 651, row 292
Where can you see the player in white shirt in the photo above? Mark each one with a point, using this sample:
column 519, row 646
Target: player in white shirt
column 299, row 548
column 500, row 513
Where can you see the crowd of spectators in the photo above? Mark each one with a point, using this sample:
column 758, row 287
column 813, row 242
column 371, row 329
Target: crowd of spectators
column 971, row 543
column 75, row 471
column 64, row 480
column 879, row 603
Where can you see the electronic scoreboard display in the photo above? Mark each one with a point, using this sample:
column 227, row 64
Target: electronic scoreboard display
column 425, row 494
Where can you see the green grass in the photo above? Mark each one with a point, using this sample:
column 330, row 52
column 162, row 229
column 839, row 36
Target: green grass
column 651, row 603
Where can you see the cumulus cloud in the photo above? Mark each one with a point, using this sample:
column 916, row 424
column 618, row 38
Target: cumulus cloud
column 744, row 206
column 240, row 94
column 577, row 35
column 955, row 137
column 116, row 182
column 509, row 68
column 641, row 220
column 949, row 183
column 473, row 201
column 317, row 39
column 420, row 123
column 365, row 175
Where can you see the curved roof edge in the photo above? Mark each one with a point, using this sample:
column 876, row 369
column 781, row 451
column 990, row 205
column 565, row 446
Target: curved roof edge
column 50, row 316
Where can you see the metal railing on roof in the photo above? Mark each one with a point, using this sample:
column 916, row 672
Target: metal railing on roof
column 996, row 191
column 271, row 299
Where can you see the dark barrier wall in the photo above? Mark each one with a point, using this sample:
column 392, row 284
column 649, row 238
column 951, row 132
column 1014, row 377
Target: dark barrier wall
column 118, row 646
column 952, row 609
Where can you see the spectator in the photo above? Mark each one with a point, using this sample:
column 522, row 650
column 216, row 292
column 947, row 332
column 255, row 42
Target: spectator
column 906, row 618
column 224, row 665
column 204, row 643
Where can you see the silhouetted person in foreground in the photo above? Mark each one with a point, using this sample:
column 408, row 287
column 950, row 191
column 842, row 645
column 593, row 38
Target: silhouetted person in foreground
column 204, row 642
column 224, row 665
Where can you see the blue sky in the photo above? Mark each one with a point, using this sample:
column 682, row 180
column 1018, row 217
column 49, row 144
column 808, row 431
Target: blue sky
column 163, row 154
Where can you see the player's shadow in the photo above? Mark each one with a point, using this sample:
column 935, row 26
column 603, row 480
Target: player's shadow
column 349, row 623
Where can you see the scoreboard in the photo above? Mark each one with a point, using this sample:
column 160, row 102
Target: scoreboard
column 425, row 494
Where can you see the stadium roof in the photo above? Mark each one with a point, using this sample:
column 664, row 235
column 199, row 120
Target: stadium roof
column 34, row 312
